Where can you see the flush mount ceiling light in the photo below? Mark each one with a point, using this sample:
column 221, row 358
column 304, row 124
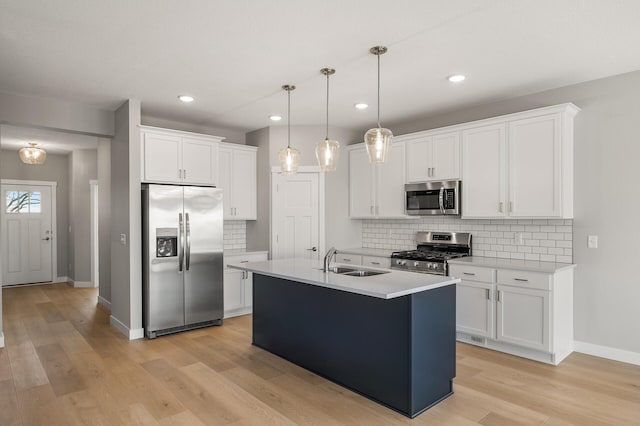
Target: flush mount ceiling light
column 289, row 157
column 327, row 151
column 32, row 154
column 378, row 139
column 361, row 105
column 456, row 78
column 186, row 98
column 275, row 117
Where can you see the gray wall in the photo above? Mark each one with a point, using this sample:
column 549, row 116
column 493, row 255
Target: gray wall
column 55, row 114
column 104, row 219
column 126, row 271
column 55, row 169
column 606, row 200
column 340, row 231
column 230, row 135
column 83, row 168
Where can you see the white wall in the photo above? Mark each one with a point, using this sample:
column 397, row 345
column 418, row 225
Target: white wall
column 606, row 175
column 104, row 219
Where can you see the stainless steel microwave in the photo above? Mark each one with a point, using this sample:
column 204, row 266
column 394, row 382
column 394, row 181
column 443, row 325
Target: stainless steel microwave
column 433, row 198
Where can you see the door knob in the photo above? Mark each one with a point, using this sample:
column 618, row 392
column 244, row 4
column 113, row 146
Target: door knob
column 46, row 239
column 313, row 249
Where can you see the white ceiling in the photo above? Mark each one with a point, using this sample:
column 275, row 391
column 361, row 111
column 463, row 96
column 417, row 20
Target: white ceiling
column 234, row 55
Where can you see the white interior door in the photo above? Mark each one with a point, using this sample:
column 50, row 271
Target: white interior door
column 27, row 234
column 296, row 205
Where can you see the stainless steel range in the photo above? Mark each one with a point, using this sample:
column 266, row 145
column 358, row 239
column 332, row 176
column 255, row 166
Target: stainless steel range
column 432, row 253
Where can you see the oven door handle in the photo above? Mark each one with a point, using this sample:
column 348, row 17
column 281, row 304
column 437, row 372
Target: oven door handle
column 441, row 200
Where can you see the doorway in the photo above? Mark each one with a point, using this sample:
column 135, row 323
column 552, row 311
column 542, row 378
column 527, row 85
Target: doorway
column 28, row 220
column 297, row 214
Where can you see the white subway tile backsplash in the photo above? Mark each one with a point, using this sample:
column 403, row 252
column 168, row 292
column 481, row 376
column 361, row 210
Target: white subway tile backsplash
column 235, row 234
column 548, row 240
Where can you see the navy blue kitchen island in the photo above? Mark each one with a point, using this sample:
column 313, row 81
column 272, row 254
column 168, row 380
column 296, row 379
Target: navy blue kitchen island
column 390, row 337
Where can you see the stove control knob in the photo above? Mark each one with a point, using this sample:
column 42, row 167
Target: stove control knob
column 431, row 266
column 416, row 264
column 402, row 262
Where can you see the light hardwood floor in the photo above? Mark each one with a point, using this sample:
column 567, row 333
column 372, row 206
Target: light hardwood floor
column 64, row 365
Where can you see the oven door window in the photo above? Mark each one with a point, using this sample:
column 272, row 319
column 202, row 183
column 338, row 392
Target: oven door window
column 423, row 200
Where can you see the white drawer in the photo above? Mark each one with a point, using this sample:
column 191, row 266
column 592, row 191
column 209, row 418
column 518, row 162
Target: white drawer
column 354, row 259
column 473, row 273
column 524, row 279
column 244, row 258
column 376, row 262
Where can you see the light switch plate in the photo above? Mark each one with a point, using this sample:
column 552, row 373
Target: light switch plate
column 123, row 239
column 592, row 241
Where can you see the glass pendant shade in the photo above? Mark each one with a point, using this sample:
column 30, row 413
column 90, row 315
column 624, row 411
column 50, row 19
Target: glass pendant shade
column 289, row 160
column 33, row 154
column 328, row 153
column 377, row 141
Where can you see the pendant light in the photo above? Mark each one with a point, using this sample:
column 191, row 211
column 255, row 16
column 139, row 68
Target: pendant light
column 378, row 139
column 32, row 154
column 327, row 151
column 289, row 157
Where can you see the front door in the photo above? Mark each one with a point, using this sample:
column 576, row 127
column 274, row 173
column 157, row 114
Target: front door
column 27, row 236
column 296, row 216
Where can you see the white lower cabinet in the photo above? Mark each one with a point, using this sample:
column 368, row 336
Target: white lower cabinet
column 238, row 285
column 523, row 313
column 358, row 259
column 354, row 259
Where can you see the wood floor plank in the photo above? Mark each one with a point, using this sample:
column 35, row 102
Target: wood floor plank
column 64, row 365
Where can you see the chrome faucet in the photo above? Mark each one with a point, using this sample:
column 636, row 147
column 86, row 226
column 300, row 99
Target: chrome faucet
column 327, row 258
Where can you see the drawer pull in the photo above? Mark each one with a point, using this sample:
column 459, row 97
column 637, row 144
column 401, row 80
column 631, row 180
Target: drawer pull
column 375, row 263
column 521, row 279
column 344, row 259
column 469, row 273
column 244, row 261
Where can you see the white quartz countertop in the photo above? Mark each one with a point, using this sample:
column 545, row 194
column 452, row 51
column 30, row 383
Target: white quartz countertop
column 367, row 251
column 384, row 286
column 520, row 265
column 240, row 252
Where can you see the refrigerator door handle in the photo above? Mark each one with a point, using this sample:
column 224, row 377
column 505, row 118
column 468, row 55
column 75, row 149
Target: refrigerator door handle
column 188, row 239
column 180, row 242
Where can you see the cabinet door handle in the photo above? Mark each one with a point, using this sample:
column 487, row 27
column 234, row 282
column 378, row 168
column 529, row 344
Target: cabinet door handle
column 521, row 279
column 488, row 294
column 500, row 206
column 433, row 171
column 510, row 206
column 184, row 172
column 469, row 273
column 498, row 295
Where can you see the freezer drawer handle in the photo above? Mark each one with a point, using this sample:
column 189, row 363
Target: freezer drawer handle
column 180, row 242
column 188, row 238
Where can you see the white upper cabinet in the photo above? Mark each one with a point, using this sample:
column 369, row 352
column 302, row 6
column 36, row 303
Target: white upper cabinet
column 170, row 156
column 433, row 157
column 376, row 191
column 237, row 177
column 520, row 165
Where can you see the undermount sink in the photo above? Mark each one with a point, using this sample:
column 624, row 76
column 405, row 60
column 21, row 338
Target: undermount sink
column 355, row 272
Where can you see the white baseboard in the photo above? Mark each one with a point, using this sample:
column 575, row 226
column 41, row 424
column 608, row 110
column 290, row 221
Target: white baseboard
column 1, row 339
column 62, row 280
column 132, row 334
column 81, row 284
column 104, row 302
column 607, row 352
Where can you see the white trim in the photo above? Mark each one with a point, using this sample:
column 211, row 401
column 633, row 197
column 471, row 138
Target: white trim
column 81, row 284
column 94, row 212
column 607, row 352
column 131, row 334
column 104, row 302
column 1, row 340
column 64, row 279
column 301, row 169
column 54, row 217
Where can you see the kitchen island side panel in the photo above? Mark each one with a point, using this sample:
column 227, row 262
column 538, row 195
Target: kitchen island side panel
column 361, row 342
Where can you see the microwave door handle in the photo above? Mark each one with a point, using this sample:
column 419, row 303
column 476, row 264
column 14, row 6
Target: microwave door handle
column 180, row 242
column 441, row 200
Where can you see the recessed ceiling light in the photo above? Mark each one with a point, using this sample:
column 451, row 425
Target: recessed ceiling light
column 361, row 105
column 457, row 78
column 186, row 98
column 275, row 117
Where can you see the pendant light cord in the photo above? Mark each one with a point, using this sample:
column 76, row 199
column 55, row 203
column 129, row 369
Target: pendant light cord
column 327, row 128
column 289, row 118
column 378, row 90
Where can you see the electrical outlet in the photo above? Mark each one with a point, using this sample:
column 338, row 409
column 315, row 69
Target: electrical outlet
column 592, row 241
column 519, row 239
column 123, row 239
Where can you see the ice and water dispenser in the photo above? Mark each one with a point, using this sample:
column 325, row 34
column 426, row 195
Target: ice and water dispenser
column 166, row 242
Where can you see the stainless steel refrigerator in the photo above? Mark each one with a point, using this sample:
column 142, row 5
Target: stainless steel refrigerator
column 182, row 258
